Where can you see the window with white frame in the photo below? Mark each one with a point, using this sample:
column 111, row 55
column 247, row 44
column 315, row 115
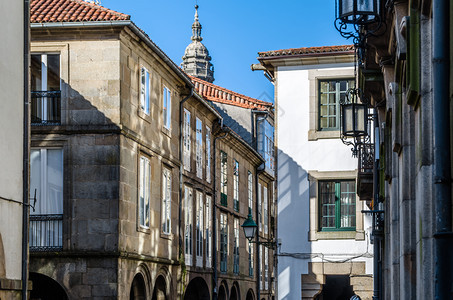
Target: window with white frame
column 260, row 206
column 266, row 268
column 331, row 93
column 250, row 259
column 250, row 190
column 223, row 234
column 187, row 141
column 236, row 247
column 145, row 90
column 199, row 229
column 45, row 88
column 199, row 147
column 166, row 110
column 145, row 192
column 223, row 178
column 208, row 154
column 236, row 186
column 208, row 232
column 265, row 211
column 166, row 201
column 188, row 221
column 46, row 182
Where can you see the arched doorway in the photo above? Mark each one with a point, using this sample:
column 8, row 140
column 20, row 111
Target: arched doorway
column 160, row 289
column 45, row 288
column 138, row 288
column 250, row 295
column 222, row 293
column 197, row 290
column 235, row 292
column 337, row 287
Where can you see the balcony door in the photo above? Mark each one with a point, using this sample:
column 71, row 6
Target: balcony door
column 46, row 186
column 45, row 89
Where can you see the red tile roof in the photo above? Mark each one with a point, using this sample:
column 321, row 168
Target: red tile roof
column 48, row 11
column 307, row 51
column 219, row 94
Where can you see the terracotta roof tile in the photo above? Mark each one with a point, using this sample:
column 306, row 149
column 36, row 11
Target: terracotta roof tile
column 219, row 94
column 47, row 11
column 307, row 50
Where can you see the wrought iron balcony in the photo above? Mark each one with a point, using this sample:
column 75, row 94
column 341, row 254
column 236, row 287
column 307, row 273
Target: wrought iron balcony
column 365, row 168
column 46, row 107
column 46, row 233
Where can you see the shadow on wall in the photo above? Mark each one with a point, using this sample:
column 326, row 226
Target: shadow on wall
column 293, row 225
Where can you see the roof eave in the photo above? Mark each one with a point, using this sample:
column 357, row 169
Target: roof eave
column 119, row 23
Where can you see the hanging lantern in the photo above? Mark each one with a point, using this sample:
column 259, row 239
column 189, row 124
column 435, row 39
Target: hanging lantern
column 354, row 120
column 358, row 12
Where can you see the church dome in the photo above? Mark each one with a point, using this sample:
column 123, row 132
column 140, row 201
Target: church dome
column 196, row 60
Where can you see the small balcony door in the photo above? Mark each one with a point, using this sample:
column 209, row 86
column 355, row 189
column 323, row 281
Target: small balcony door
column 46, row 184
column 45, row 89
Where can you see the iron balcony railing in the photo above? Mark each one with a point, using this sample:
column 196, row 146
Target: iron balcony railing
column 45, row 107
column 46, row 233
column 366, row 158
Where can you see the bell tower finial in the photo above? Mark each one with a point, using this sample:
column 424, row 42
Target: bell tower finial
column 196, row 27
column 196, row 60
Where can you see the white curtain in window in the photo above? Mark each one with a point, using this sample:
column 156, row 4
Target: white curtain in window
column 46, row 177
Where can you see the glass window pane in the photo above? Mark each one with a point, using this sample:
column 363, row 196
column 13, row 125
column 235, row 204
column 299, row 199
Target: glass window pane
column 324, row 86
column 332, row 98
column 53, row 72
column 332, row 122
column 332, row 86
column 36, row 79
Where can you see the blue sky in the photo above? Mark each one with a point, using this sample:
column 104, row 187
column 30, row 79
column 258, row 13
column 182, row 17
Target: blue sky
column 234, row 31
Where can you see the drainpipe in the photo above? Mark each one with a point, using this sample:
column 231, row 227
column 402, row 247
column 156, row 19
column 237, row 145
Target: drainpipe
column 376, row 205
column 214, row 217
column 442, row 164
column 258, row 171
column 26, row 147
column 181, row 167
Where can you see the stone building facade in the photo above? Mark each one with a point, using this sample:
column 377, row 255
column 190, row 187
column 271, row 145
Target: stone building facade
column 406, row 76
column 13, row 150
column 119, row 162
column 253, row 121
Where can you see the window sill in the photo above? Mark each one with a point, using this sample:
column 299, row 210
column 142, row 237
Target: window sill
column 166, row 131
column 336, row 235
column 143, row 229
column 167, row 236
column 314, row 135
column 144, row 116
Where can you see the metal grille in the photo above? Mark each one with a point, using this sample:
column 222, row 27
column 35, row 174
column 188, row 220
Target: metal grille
column 46, row 233
column 45, row 107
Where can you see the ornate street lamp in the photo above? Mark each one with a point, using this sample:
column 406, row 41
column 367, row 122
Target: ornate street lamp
column 358, row 19
column 354, row 120
column 249, row 226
